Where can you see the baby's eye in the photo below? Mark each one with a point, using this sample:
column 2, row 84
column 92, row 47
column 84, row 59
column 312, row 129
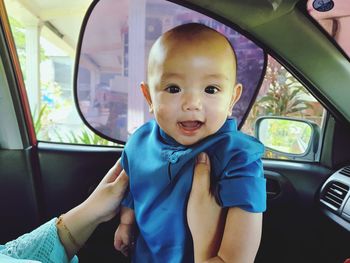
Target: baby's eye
column 211, row 89
column 172, row 89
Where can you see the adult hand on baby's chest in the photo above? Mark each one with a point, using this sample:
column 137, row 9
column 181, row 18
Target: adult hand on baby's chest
column 204, row 216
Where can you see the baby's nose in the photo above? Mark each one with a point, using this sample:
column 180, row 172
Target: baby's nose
column 191, row 102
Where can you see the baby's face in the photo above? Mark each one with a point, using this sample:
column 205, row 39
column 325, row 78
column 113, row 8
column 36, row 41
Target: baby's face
column 192, row 90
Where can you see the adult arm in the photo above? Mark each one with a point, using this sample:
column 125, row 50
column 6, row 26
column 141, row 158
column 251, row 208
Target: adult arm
column 215, row 239
column 49, row 243
column 101, row 206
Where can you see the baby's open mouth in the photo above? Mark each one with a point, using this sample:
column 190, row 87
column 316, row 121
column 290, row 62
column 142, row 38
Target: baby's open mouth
column 190, row 125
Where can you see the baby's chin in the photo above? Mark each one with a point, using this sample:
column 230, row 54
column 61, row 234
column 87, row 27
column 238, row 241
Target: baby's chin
column 190, row 140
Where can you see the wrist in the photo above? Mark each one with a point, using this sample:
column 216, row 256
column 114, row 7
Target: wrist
column 126, row 220
column 65, row 233
column 127, row 216
column 81, row 220
column 90, row 213
column 79, row 223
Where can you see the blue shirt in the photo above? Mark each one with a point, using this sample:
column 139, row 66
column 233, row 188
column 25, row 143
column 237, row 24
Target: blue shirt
column 160, row 174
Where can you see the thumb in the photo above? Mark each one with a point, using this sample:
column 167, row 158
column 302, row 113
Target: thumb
column 121, row 183
column 113, row 172
column 201, row 176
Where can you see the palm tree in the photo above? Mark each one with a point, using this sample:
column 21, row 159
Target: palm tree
column 280, row 95
column 285, row 95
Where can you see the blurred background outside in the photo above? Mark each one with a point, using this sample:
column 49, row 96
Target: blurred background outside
column 46, row 34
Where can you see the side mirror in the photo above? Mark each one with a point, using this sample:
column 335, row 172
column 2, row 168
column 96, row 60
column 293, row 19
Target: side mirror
column 289, row 137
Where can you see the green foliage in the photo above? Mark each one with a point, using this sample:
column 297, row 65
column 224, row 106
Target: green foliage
column 280, row 95
column 84, row 137
column 87, row 137
column 38, row 117
column 284, row 96
column 41, row 116
column 19, row 37
column 287, row 135
column 41, row 119
column 18, row 33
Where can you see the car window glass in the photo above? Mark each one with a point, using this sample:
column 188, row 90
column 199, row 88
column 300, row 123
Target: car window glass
column 45, row 35
column 113, row 58
column 282, row 95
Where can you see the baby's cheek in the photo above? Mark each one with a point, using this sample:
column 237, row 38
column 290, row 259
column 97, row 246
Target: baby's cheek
column 163, row 111
column 217, row 118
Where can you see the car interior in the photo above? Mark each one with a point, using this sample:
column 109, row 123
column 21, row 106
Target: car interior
column 308, row 206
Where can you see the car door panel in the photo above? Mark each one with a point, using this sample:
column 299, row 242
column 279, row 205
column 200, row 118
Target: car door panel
column 70, row 173
column 294, row 228
column 19, row 203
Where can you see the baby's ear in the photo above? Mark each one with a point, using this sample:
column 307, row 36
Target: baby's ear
column 237, row 92
column 146, row 94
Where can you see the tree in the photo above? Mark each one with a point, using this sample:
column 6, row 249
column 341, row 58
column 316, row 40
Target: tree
column 280, row 95
column 285, row 95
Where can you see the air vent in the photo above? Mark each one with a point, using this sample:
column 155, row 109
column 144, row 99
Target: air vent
column 345, row 171
column 334, row 194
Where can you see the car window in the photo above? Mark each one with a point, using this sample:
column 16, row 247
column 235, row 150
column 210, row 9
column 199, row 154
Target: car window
column 45, row 36
column 113, row 62
column 281, row 95
column 47, row 61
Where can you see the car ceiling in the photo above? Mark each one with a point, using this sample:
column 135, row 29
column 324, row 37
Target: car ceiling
column 297, row 45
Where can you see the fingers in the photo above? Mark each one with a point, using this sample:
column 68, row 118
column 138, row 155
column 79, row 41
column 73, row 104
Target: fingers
column 125, row 250
column 127, row 246
column 113, row 172
column 123, row 242
column 117, row 168
column 121, row 183
column 121, row 246
column 117, row 241
column 201, row 176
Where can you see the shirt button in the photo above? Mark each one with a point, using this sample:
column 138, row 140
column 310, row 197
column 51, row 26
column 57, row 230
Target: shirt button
column 173, row 158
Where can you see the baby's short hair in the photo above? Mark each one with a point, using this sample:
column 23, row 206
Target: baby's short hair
column 194, row 30
column 185, row 34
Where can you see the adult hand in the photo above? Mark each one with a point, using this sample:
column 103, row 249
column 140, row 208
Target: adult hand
column 102, row 205
column 207, row 222
column 105, row 199
column 206, row 219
